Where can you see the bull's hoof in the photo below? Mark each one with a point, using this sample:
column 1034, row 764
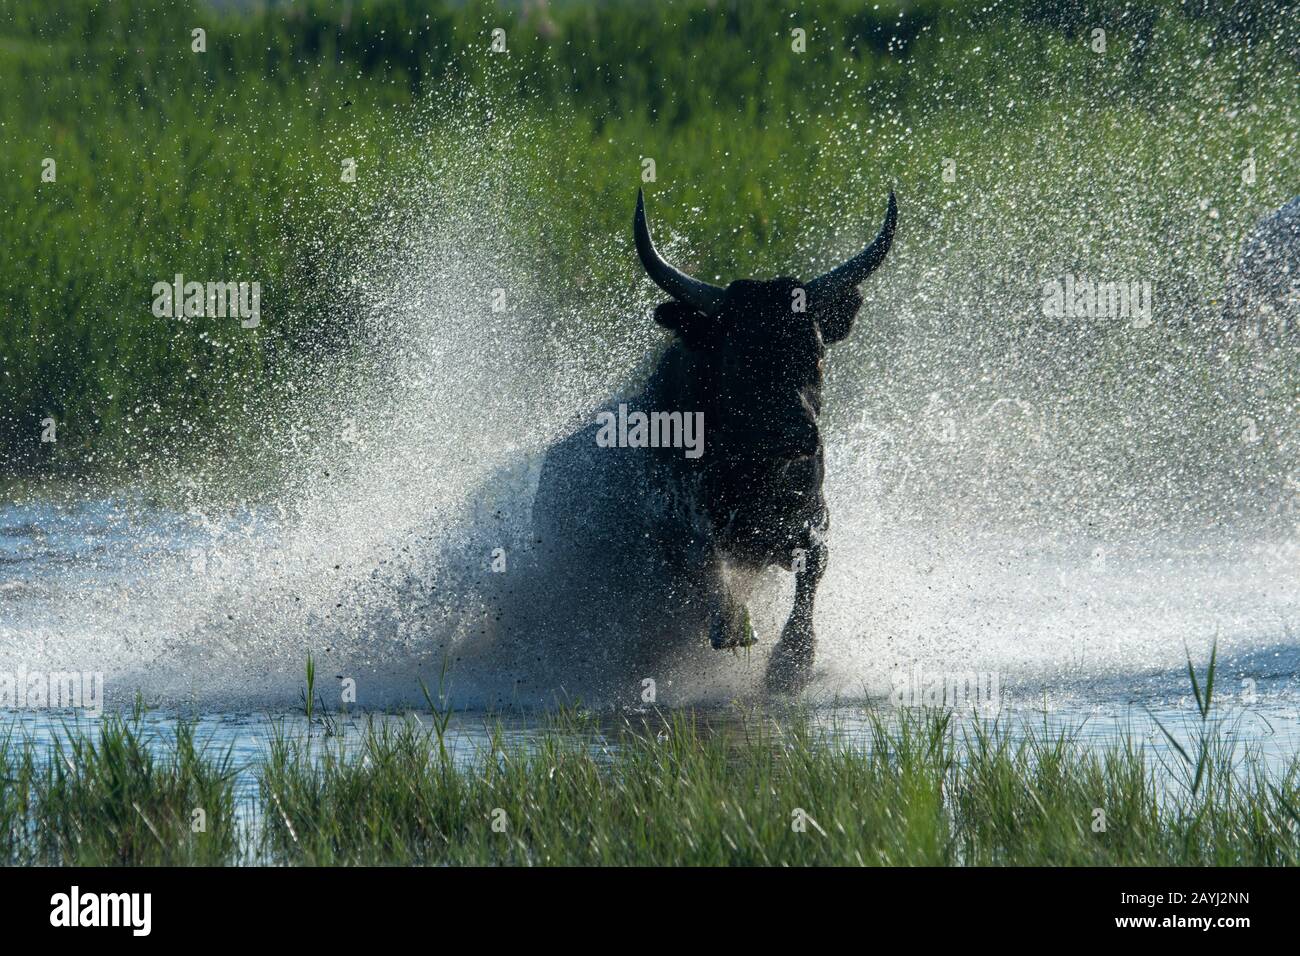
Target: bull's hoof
column 729, row 631
column 789, row 667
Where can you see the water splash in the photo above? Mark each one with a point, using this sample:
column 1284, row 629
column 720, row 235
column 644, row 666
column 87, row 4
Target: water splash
column 1069, row 506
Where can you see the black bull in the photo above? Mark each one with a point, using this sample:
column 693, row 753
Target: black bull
column 659, row 541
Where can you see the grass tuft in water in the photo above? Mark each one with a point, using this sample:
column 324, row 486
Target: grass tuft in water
column 670, row 789
column 117, row 795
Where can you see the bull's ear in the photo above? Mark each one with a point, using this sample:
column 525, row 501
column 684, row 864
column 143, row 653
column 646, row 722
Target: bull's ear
column 836, row 317
column 695, row 328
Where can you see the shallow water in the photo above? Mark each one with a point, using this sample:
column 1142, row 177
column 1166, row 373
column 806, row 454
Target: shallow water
column 78, row 582
column 201, row 612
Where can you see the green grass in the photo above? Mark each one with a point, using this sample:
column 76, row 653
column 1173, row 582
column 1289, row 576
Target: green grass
column 226, row 164
column 674, row 793
column 680, row 789
column 115, row 795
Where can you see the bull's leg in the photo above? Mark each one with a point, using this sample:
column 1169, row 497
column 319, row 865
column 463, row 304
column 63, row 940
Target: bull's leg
column 728, row 616
column 790, row 665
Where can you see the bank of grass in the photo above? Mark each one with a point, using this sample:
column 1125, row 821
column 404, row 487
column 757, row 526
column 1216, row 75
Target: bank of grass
column 668, row 792
column 680, row 789
column 227, row 164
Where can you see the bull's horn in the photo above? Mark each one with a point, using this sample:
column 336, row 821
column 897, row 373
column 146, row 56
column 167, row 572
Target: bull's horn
column 844, row 277
column 700, row 296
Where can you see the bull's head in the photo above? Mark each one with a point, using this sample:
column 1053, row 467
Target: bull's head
column 759, row 345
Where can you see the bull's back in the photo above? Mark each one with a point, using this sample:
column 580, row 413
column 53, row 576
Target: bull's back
column 583, row 497
column 1261, row 295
